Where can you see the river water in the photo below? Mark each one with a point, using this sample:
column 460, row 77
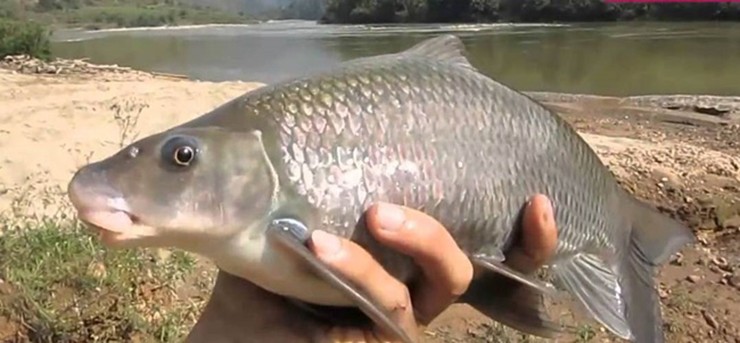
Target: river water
column 608, row 59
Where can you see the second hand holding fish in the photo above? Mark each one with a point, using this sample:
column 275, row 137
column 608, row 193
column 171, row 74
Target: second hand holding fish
column 228, row 315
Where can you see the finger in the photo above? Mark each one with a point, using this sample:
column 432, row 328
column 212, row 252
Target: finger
column 447, row 271
column 540, row 234
column 361, row 269
column 539, row 237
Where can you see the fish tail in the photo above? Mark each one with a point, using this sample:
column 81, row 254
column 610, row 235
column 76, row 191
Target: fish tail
column 618, row 290
column 653, row 239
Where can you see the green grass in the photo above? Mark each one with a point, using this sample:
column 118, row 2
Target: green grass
column 61, row 285
column 128, row 16
column 585, row 333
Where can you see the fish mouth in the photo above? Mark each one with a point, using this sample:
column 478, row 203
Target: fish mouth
column 113, row 221
column 109, row 215
column 115, row 227
column 103, row 208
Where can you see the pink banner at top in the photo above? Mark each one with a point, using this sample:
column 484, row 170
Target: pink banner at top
column 670, row 1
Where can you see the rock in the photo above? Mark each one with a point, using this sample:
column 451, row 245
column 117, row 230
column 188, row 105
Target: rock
column 722, row 263
column 732, row 222
column 666, row 178
column 693, row 278
column 703, row 240
column 662, row 293
column 734, row 281
column 710, row 320
column 677, row 259
column 715, row 269
column 28, row 65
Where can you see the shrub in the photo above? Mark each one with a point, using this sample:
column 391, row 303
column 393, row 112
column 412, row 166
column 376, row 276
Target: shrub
column 24, row 37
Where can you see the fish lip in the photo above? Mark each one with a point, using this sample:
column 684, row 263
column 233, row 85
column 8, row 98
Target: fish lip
column 107, row 214
column 130, row 234
column 90, row 216
column 103, row 208
column 85, row 214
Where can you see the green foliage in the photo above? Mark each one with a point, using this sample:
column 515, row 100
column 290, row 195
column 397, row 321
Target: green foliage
column 114, row 13
column 101, row 16
column 377, row 11
column 301, row 9
column 24, row 37
column 10, row 9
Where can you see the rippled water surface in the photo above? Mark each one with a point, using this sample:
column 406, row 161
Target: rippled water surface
column 609, row 59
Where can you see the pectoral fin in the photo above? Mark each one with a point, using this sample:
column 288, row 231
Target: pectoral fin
column 510, row 297
column 495, row 264
column 293, row 236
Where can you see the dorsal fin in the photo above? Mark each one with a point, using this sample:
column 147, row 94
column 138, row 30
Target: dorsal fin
column 445, row 47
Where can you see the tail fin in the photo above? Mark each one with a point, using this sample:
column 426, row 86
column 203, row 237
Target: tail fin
column 619, row 290
column 654, row 238
column 656, row 235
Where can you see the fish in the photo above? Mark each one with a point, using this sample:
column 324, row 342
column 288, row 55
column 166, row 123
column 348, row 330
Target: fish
column 247, row 182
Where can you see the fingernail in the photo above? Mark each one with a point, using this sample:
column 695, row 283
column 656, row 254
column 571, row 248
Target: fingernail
column 325, row 243
column 390, row 217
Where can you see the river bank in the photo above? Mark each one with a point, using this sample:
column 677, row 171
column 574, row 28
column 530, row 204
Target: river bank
column 409, row 11
column 678, row 152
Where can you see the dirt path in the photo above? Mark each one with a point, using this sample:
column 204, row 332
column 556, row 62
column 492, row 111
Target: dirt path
column 686, row 162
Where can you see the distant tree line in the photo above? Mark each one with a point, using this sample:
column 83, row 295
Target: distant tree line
column 94, row 14
column 400, row 11
column 304, row 9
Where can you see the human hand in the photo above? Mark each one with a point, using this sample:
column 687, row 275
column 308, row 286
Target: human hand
column 239, row 311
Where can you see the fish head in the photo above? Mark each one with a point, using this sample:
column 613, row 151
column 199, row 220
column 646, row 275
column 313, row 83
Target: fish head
column 184, row 188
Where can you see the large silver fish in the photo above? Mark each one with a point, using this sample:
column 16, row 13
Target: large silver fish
column 245, row 183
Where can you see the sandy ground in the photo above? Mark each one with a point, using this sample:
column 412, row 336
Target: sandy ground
column 50, row 125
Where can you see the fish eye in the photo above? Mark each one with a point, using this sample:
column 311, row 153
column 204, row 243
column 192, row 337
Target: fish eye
column 184, row 155
column 180, row 151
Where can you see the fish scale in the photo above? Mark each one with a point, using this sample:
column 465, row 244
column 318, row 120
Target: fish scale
column 372, row 158
column 421, row 128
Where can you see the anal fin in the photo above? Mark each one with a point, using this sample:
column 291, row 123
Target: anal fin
column 510, row 297
column 292, row 235
column 597, row 287
column 495, row 264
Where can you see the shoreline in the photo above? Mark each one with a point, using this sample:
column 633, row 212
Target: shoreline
column 151, row 28
column 726, row 103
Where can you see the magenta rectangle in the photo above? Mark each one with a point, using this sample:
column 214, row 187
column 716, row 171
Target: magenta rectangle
column 670, row 1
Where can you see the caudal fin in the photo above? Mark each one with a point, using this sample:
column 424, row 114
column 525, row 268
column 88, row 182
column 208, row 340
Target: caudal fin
column 654, row 238
column 619, row 290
